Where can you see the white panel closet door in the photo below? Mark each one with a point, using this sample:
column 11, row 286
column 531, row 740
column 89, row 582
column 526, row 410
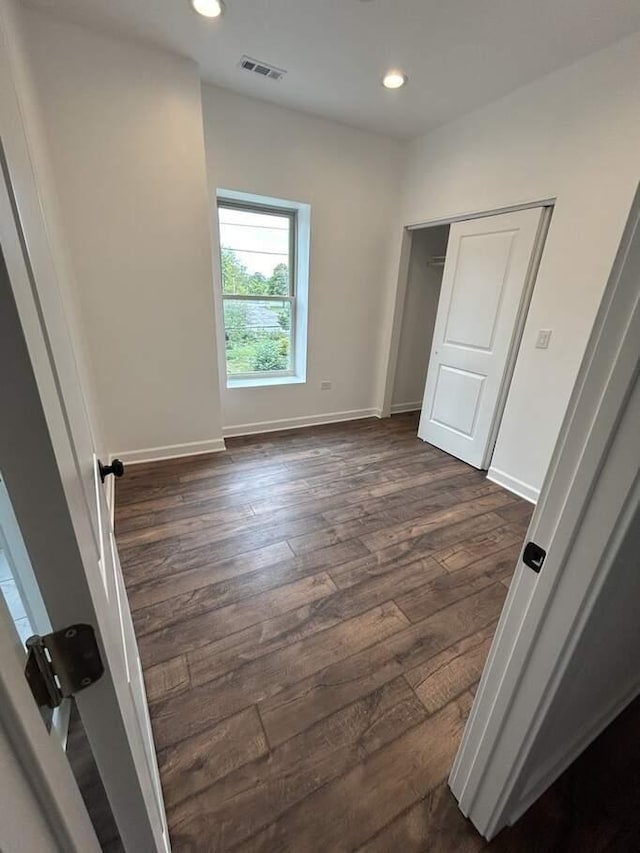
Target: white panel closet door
column 485, row 282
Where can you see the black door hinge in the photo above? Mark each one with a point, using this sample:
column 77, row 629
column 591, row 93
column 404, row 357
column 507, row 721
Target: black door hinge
column 62, row 663
column 533, row 556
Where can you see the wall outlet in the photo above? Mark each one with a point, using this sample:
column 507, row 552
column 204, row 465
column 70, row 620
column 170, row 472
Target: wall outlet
column 542, row 341
column 325, row 385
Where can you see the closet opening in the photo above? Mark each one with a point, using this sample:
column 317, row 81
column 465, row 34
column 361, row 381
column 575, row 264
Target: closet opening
column 462, row 303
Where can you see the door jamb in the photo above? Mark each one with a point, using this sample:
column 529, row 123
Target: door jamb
column 482, row 214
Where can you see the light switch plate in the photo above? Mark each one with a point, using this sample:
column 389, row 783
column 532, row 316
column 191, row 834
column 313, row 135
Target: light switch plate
column 542, row 341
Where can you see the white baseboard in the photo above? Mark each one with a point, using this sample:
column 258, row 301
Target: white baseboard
column 297, row 423
column 512, row 484
column 400, row 408
column 169, row 451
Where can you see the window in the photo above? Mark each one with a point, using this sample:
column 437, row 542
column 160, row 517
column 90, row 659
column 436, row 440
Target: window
column 258, row 247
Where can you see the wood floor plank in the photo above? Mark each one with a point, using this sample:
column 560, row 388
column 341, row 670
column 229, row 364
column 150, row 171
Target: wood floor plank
column 448, row 478
column 300, row 706
column 149, row 562
column 223, row 495
column 501, row 565
column 381, row 562
column 519, row 512
column 419, row 642
column 250, row 799
column 374, row 792
column 313, row 608
column 435, row 821
column 180, row 524
column 367, row 523
column 145, row 593
column 358, row 487
column 452, row 672
column 445, row 518
column 292, row 709
column 167, row 678
column 211, row 596
column 198, row 762
column 202, row 625
column 306, row 621
column 180, row 716
column 444, row 589
column 474, row 548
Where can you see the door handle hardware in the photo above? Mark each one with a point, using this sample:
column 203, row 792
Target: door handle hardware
column 116, row 468
column 533, row 556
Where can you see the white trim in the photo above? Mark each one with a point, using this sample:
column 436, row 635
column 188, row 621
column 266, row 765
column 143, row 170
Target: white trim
column 481, row 214
column 297, row 423
column 265, row 381
column 299, row 298
column 400, row 408
column 169, row 451
column 394, row 331
column 242, row 197
column 512, row 484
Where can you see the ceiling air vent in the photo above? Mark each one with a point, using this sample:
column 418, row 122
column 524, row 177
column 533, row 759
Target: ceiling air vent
column 261, row 68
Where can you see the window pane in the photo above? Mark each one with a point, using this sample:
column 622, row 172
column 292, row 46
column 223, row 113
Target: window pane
column 258, row 336
column 255, row 252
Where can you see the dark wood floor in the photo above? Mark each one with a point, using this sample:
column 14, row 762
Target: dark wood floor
column 314, row 610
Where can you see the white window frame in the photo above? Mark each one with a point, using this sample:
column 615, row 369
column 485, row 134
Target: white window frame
column 300, row 217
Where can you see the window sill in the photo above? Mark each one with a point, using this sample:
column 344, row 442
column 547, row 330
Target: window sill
column 265, row 382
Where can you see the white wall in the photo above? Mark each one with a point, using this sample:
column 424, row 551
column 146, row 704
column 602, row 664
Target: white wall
column 57, row 264
column 124, row 131
column 419, row 316
column 351, row 179
column 574, row 135
column 123, row 125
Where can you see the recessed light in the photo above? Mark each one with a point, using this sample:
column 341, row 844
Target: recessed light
column 394, row 79
column 208, row 8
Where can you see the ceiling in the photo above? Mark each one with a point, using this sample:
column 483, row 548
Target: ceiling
column 459, row 54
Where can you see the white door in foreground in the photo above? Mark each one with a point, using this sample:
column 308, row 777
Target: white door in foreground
column 49, row 469
column 485, row 286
